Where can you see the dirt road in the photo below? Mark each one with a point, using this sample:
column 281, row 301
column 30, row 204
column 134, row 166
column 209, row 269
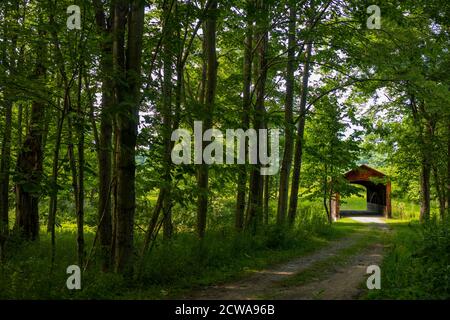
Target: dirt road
column 342, row 281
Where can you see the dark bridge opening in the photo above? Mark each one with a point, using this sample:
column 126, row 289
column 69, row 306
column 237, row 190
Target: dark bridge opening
column 378, row 193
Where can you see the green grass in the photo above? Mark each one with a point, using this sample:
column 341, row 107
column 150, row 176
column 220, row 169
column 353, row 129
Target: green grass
column 401, row 209
column 417, row 264
column 354, row 203
column 172, row 269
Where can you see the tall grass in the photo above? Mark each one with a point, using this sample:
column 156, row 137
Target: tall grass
column 417, row 265
column 171, row 268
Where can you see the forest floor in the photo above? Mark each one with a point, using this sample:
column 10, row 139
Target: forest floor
column 337, row 271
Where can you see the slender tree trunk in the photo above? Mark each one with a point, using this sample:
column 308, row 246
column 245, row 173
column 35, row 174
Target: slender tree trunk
column 440, row 193
column 19, row 125
column 448, row 168
column 60, row 124
column 150, row 234
column 298, row 155
column 54, row 178
column 326, row 199
column 246, row 106
column 4, row 177
column 266, row 200
column 104, row 215
column 425, row 190
column 167, row 86
column 80, row 182
column 25, row 121
column 254, row 209
column 288, row 118
column 426, row 137
column 210, row 92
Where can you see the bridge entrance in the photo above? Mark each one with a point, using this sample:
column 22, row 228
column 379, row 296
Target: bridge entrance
column 378, row 193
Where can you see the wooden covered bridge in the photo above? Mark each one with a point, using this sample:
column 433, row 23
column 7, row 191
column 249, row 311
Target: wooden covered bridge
column 378, row 194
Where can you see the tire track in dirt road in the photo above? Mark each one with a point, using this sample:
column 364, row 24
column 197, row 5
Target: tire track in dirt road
column 343, row 283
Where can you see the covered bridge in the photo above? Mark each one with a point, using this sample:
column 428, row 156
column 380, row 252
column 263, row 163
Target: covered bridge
column 378, row 194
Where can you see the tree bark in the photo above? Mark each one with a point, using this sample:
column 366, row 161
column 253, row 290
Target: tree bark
column 448, row 168
column 426, row 137
column 288, row 119
column 425, row 190
column 104, row 215
column 210, row 92
column 167, row 86
column 254, row 209
column 298, row 155
column 266, row 200
column 246, row 106
column 440, row 193
column 54, row 178
column 30, row 158
column 4, row 177
column 128, row 64
column 80, row 195
column 9, row 60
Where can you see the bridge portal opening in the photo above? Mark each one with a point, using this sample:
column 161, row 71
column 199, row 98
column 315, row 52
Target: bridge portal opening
column 378, row 193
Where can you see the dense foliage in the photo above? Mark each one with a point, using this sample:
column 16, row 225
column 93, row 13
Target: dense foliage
column 87, row 116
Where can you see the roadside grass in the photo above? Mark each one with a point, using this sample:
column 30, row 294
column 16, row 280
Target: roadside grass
column 417, row 263
column 172, row 268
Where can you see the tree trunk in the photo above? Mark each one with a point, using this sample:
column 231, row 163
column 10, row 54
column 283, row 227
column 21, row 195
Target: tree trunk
column 288, row 119
column 266, row 200
column 54, row 178
column 425, row 190
column 299, row 139
column 8, row 60
column 167, row 34
column 4, row 177
column 440, row 193
column 128, row 64
column 80, row 182
column 210, row 92
column 448, row 169
column 150, row 234
column 426, row 137
column 105, row 138
column 246, row 106
column 29, row 161
column 254, row 209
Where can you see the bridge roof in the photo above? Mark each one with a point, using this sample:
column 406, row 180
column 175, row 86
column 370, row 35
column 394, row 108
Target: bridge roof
column 363, row 173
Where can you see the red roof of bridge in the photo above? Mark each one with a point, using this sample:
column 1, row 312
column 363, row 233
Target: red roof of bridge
column 363, row 173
